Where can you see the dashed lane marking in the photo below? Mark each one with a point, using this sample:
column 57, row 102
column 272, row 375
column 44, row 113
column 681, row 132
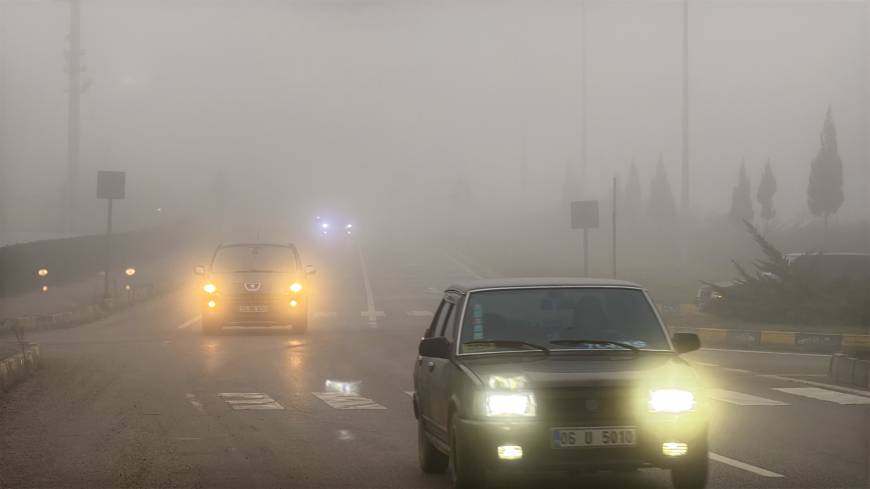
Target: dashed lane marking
column 824, row 395
column 324, row 314
column 421, row 314
column 410, row 393
column 250, row 401
column 704, row 364
column 742, row 399
column 338, row 400
column 193, row 402
column 190, row 322
column 736, row 370
column 743, row 466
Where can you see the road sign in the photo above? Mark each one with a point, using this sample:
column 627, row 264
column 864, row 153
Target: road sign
column 110, row 184
column 584, row 214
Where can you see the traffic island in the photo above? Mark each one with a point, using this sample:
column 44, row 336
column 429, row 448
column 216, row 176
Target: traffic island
column 848, row 370
column 17, row 362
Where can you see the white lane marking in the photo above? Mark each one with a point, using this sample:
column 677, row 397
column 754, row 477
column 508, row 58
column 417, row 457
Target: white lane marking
column 193, row 402
column 742, row 399
column 743, row 465
column 736, row 370
column 410, row 393
column 421, row 314
column 434, row 290
column 859, row 392
column 338, row 400
column 824, row 395
column 704, row 364
column 371, row 313
column 187, row 438
column 324, row 314
column 464, row 266
column 190, row 322
column 248, row 401
column 768, row 352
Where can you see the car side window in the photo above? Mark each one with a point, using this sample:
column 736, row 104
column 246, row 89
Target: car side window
column 448, row 319
column 430, row 331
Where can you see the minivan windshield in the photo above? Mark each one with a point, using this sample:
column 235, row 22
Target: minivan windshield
column 561, row 319
column 263, row 258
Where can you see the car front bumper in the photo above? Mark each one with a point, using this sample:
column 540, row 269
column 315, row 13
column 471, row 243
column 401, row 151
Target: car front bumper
column 483, row 437
column 265, row 310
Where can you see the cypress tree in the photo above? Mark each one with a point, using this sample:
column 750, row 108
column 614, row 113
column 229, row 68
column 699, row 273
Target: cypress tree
column 741, row 200
column 825, row 188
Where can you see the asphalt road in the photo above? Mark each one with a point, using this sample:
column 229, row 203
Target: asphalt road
column 142, row 399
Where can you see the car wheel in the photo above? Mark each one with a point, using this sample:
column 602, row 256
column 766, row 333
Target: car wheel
column 210, row 327
column 691, row 473
column 432, row 461
column 464, row 471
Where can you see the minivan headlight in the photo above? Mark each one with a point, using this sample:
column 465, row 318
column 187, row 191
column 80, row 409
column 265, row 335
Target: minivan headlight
column 671, row 401
column 510, row 404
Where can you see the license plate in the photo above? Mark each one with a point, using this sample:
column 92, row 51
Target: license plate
column 614, row 436
column 253, row 308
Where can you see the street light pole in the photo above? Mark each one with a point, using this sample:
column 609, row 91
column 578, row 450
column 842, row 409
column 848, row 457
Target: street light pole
column 583, row 152
column 684, row 194
column 74, row 86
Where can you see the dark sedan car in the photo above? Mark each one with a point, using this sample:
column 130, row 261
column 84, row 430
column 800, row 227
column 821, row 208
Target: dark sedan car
column 255, row 284
column 556, row 374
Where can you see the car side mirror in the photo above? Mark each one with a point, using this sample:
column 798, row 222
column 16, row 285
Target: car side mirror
column 199, row 270
column 437, row 347
column 310, row 270
column 686, row 342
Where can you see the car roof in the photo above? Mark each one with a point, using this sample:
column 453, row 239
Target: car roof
column 507, row 283
column 825, row 253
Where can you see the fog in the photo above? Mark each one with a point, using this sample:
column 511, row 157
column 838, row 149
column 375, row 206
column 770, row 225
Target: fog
column 276, row 111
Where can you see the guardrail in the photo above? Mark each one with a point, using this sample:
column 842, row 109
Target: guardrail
column 776, row 340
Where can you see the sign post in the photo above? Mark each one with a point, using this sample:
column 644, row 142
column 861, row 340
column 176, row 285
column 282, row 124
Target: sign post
column 584, row 215
column 111, row 185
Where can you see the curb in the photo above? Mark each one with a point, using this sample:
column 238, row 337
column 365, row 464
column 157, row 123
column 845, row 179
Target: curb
column 18, row 366
column 846, row 370
column 776, row 340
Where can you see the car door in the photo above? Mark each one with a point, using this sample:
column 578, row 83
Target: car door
column 441, row 369
column 421, row 370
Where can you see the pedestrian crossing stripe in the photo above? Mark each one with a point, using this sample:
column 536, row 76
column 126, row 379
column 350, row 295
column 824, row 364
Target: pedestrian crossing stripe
column 825, row 395
column 742, row 399
column 250, row 401
column 339, row 400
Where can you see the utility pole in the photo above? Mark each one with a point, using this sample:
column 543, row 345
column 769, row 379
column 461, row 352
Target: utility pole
column 613, row 227
column 684, row 194
column 583, row 152
column 74, row 89
column 4, row 152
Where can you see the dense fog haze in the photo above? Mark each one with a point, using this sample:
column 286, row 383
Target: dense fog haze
column 388, row 110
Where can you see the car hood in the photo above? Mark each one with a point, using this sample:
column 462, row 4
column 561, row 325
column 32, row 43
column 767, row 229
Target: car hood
column 253, row 282
column 576, row 369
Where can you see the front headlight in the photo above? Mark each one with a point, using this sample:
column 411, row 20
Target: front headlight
column 209, row 288
column 671, row 401
column 296, row 287
column 505, row 404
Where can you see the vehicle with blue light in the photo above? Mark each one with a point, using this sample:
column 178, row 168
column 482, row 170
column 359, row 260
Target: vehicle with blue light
column 255, row 284
column 569, row 375
column 330, row 226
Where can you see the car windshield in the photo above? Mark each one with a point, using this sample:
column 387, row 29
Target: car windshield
column 234, row 259
column 561, row 318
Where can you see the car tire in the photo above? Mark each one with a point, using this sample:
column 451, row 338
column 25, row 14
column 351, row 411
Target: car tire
column 432, row 460
column 464, row 470
column 691, row 473
column 210, row 327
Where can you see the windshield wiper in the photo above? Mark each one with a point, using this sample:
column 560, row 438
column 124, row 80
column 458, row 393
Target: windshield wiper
column 596, row 342
column 508, row 343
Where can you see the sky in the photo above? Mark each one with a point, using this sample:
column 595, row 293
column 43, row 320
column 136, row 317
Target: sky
column 380, row 106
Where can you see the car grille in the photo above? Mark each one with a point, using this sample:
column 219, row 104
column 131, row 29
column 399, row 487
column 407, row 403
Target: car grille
column 599, row 405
